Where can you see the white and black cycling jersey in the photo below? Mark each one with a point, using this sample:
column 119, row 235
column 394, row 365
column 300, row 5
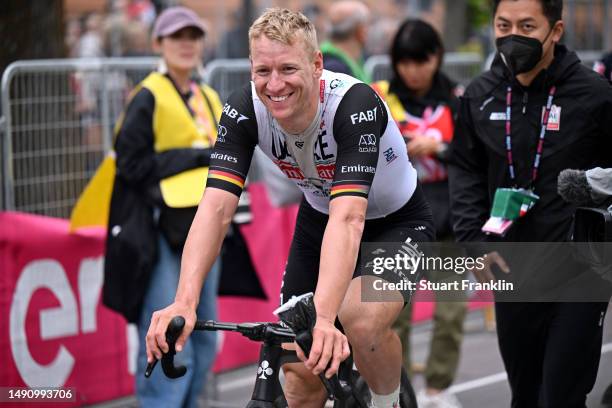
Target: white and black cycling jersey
column 352, row 147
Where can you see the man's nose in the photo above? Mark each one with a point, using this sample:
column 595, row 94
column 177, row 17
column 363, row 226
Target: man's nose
column 275, row 83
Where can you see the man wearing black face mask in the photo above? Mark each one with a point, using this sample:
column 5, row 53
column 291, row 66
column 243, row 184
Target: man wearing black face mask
column 536, row 112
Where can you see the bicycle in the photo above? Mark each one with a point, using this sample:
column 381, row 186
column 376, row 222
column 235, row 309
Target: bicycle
column 347, row 388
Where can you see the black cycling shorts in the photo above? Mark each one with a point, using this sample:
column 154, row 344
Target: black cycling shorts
column 413, row 220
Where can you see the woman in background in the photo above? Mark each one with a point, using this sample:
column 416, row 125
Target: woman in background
column 163, row 146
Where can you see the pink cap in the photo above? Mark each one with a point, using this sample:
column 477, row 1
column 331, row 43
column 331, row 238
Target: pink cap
column 174, row 19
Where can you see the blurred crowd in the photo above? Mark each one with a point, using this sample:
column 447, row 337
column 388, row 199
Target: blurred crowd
column 123, row 30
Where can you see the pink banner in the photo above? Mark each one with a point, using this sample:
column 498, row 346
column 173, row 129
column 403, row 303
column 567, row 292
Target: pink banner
column 54, row 331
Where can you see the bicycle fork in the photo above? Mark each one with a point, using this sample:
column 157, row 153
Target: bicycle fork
column 267, row 385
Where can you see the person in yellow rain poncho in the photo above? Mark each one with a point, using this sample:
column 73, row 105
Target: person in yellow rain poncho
column 161, row 154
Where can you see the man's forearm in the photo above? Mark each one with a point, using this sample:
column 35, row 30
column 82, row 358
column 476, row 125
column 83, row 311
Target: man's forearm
column 338, row 259
column 201, row 249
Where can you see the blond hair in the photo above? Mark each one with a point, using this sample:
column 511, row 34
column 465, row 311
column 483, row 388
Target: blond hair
column 284, row 25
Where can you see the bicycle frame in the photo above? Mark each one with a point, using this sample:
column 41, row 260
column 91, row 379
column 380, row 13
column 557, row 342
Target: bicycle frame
column 267, row 390
column 267, row 387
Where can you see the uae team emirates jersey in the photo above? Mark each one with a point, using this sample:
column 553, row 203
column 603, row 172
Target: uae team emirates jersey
column 352, row 147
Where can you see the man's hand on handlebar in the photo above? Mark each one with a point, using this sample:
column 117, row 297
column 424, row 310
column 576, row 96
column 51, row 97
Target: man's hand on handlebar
column 329, row 344
column 156, row 336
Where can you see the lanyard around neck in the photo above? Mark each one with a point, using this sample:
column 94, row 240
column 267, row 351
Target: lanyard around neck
column 538, row 156
column 198, row 103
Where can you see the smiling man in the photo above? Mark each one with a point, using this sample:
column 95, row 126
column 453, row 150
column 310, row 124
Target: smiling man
column 536, row 112
column 333, row 136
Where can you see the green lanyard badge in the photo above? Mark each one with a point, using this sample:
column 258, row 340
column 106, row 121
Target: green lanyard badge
column 509, row 204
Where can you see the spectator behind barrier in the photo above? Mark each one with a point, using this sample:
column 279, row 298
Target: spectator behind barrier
column 163, row 146
column 343, row 52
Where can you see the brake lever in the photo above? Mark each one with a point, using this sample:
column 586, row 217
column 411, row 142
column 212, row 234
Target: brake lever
column 334, row 388
column 172, row 333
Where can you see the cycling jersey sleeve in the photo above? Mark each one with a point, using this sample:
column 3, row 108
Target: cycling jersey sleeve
column 359, row 122
column 236, row 140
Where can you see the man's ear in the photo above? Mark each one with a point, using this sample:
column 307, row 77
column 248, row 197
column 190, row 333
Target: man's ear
column 558, row 31
column 318, row 63
column 361, row 32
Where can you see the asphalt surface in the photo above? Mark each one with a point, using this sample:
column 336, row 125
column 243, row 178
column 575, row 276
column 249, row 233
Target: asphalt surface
column 481, row 380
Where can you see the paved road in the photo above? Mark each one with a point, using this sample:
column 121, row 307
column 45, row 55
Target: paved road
column 481, row 380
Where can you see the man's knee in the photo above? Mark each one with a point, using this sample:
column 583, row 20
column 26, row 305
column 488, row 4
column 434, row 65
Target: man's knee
column 302, row 388
column 363, row 332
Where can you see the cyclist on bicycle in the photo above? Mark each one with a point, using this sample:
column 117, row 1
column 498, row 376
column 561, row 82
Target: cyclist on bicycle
column 333, row 136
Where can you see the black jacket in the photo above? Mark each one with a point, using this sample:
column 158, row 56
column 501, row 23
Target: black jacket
column 479, row 165
column 131, row 242
column 443, row 91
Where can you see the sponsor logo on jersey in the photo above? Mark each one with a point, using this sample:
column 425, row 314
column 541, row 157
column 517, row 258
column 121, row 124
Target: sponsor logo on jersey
column 233, row 113
column 365, row 116
column 290, row 170
column 321, row 150
column 389, row 155
column 225, row 157
column 367, row 143
column 358, row 168
column 336, row 83
column 279, row 148
column 314, row 187
column 322, row 90
column 221, row 132
column 326, row 171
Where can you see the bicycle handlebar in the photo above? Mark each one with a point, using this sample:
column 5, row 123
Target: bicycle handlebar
column 271, row 332
column 266, row 332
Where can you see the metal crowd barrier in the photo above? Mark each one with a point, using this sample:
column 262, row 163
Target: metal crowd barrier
column 227, row 75
column 59, row 116
column 58, row 120
column 460, row 66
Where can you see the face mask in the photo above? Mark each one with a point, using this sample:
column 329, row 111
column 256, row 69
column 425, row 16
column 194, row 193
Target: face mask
column 520, row 54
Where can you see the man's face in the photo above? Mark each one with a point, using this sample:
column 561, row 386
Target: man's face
column 526, row 18
column 286, row 79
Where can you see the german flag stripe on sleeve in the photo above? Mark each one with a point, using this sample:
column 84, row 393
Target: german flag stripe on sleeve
column 225, row 180
column 350, row 189
column 226, row 176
